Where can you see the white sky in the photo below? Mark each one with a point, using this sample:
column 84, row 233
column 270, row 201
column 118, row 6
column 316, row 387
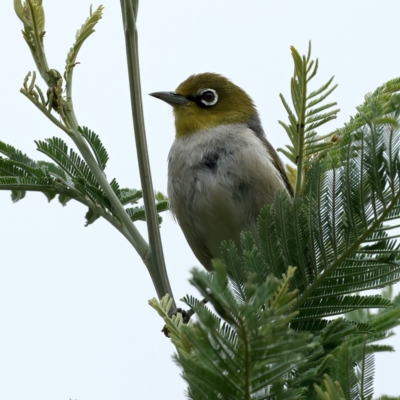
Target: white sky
column 74, row 319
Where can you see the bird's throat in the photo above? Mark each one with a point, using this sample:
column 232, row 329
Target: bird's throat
column 189, row 120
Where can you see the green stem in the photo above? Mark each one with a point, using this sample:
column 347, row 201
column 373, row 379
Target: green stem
column 45, row 111
column 301, row 128
column 40, row 56
column 246, row 359
column 363, row 372
column 155, row 258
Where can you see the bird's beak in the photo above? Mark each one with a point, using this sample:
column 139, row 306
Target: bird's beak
column 171, row 98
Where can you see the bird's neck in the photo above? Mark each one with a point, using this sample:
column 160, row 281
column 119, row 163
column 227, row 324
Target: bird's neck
column 189, row 122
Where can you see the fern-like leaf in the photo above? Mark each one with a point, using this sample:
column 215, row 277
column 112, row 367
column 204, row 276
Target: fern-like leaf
column 244, row 350
column 95, row 143
column 81, row 35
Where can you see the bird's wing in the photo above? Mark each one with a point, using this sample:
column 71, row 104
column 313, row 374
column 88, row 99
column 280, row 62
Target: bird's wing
column 278, row 164
column 255, row 125
column 210, row 214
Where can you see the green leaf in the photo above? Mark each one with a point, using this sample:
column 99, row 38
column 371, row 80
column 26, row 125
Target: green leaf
column 94, row 193
column 91, row 216
column 130, row 196
column 160, row 197
column 81, row 35
column 64, row 199
column 95, row 143
column 235, row 268
column 8, row 168
column 307, row 115
column 139, row 213
column 50, row 195
column 244, row 351
column 70, row 162
column 136, row 213
column 334, row 305
column 17, row 195
column 330, row 390
column 8, row 150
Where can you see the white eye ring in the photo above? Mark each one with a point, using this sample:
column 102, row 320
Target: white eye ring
column 208, row 102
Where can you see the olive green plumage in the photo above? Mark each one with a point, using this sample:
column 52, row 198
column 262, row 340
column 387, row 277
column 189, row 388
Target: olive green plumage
column 234, row 105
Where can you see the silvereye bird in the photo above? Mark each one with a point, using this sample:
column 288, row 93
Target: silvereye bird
column 221, row 168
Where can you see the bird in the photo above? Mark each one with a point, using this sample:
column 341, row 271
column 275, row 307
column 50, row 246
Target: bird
column 222, row 170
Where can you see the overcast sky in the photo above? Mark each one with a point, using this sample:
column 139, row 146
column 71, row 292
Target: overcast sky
column 74, row 320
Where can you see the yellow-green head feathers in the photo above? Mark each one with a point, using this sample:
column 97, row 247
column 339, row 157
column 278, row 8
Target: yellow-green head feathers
column 207, row 100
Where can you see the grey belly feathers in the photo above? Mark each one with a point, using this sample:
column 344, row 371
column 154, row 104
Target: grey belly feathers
column 218, row 181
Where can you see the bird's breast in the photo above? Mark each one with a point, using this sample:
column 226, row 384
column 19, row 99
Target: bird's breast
column 225, row 170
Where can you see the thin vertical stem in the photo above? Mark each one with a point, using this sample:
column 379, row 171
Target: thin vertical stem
column 156, row 263
column 302, row 82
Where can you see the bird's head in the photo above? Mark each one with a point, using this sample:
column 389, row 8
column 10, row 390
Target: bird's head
column 207, row 100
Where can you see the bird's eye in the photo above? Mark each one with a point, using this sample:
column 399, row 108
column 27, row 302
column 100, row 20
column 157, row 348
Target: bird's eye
column 208, row 97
